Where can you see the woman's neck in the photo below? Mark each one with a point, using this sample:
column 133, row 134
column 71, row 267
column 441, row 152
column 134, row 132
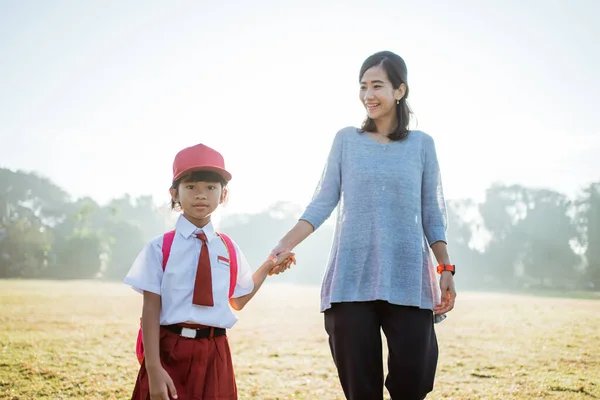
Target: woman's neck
column 385, row 125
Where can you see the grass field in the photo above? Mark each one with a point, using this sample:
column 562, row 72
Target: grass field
column 75, row 340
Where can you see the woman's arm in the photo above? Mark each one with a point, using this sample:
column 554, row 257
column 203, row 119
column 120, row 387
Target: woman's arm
column 433, row 209
column 440, row 251
column 433, row 205
column 447, row 288
column 295, row 236
column 324, row 201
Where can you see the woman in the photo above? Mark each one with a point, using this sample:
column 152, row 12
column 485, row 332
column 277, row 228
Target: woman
column 386, row 180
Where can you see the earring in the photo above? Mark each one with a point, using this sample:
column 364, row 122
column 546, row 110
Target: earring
column 398, row 101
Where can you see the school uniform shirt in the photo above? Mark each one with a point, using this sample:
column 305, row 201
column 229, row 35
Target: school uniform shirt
column 176, row 284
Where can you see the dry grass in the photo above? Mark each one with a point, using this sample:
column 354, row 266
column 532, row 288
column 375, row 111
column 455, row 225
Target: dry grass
column 75, row 340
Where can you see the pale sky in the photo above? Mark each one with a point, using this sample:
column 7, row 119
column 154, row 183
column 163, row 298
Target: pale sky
column 100, row 95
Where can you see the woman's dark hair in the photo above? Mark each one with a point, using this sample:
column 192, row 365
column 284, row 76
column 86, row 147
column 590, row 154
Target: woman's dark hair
column 395, row 68
column 198, row 176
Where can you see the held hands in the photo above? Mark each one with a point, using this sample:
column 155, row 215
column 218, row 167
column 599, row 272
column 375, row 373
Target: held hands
column 448, row 294
column 283, row 258
column 161, row 384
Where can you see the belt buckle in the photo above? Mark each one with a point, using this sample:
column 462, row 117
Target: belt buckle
column 188, row 333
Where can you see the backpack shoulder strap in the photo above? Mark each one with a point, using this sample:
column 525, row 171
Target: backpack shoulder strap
column 166, row 247
column 233, row 262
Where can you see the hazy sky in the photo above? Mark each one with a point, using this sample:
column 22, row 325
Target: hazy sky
column 100, row 95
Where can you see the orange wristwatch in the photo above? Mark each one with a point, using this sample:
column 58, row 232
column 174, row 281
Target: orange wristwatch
column 445, row 267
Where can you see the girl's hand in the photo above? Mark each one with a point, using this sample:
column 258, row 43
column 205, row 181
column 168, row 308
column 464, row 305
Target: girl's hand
column 280, row 267
column 282, row 262
column 448, row 294
column 161, row 384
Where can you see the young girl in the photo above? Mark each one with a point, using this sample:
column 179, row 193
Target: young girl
column 187, row 307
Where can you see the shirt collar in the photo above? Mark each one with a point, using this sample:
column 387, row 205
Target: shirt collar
column 187, row 229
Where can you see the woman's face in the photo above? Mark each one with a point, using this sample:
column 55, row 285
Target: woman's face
column 378, row 94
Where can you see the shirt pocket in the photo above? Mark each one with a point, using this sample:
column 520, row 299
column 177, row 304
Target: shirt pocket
column 221, row 273
column 222, row 263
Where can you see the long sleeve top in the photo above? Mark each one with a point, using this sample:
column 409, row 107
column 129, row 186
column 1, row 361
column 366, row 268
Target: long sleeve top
column 391, row 208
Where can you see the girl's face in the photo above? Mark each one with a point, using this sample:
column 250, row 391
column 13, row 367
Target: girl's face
column 199, row 200
column 378, row 94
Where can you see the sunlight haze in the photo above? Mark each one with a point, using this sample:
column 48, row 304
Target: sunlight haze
column 99, row 96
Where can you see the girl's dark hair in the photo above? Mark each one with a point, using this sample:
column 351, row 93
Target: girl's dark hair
column 395, row 68
column 197, row 176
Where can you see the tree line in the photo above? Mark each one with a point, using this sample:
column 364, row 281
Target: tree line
column 517, row 238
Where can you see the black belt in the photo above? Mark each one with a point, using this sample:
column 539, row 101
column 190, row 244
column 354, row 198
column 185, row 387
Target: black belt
column 195, row 333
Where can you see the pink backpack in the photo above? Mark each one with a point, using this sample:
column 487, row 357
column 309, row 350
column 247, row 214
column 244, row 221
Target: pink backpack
column 166, row 250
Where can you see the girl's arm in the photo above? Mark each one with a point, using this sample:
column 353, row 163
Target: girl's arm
column 258, row 277
column 151, row 329
column 159, row 380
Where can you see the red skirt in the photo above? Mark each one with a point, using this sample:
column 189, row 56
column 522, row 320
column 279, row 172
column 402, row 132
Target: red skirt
column 201, row 369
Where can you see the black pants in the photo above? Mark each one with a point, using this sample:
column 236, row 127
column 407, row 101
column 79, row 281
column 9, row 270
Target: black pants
column 354, row 331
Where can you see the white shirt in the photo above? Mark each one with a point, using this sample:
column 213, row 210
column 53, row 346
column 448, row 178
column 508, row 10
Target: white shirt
column 176, row 284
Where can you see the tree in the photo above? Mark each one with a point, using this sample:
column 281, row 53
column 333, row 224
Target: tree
column 43, row 198
column 78, row 245
column 503, row 207
column 24, row 247
column 588, row 218
column 532, row 233
column 517, row 237
column 29, row 206
column 547, row 232
column 125, row 242
column 128, row 224
column 463, row 227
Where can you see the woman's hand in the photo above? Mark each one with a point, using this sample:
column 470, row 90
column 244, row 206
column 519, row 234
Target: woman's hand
column 161, row 384
column 284, row 261
column 279, row 250
column 448, row 294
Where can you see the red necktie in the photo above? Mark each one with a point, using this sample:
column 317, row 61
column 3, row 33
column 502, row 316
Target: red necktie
column 203, row 285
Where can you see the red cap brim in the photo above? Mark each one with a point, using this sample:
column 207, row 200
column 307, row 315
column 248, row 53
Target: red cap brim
column 226, row 175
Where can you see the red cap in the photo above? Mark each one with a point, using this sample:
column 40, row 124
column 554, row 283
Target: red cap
column 199, row 158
